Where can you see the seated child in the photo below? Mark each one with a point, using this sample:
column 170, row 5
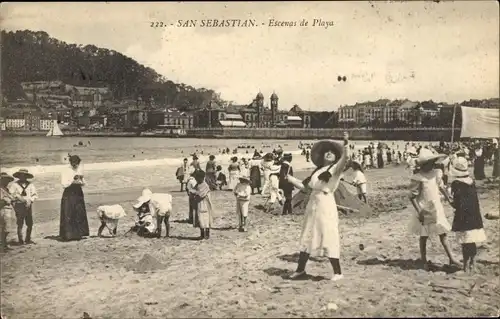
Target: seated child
column 109, row 216
column 220, row 177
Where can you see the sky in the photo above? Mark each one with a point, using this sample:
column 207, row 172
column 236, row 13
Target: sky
column 446, row 51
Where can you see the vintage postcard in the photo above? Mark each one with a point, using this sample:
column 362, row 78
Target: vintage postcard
column 249, row 159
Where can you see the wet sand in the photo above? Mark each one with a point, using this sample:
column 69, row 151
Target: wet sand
column 243, row 274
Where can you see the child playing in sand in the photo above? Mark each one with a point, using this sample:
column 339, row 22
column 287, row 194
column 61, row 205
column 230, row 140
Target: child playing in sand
column 359, row 180
column 425, row 188
column 109, row 215
column 467, row 223
column 144, row 223
column 242, row 191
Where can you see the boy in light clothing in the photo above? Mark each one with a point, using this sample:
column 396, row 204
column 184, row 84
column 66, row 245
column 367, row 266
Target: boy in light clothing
column 25, row 194
column 243, row 192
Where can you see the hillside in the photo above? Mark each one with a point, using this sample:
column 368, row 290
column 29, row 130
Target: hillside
column 35, row 56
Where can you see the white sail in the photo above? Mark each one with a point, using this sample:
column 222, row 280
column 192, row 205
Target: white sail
column 55, row 130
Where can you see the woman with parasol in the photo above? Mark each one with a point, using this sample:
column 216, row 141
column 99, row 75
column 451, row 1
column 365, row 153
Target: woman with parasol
column 320, row 233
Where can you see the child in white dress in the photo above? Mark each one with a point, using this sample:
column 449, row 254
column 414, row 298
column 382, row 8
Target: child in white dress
column 359, row 180
column 274, row 192
column 109, row 215
column 429, row 219
column 243, row 192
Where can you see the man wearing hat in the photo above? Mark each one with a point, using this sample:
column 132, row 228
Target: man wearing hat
column 26, row 194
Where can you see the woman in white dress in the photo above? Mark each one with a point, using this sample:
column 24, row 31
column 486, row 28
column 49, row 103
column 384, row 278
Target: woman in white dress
column 320, row 233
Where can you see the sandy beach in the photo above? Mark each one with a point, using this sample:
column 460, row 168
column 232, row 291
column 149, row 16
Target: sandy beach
column 242, row 274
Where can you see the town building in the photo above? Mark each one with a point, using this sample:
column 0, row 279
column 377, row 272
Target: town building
column 14, row 123
column 32, row 121
column 45, row 123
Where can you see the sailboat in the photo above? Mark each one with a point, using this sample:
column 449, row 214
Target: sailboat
column 55, row 130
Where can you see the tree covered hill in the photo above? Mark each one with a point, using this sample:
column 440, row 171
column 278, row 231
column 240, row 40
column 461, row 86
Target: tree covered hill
column 35, row 56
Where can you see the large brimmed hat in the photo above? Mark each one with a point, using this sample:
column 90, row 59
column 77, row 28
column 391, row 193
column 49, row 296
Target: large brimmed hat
column 426, row 156
column 5, row 176
column 21, row 172
column 144, row 198
column 245, row 178
column 269, row 157
column 320, row 148
column 459, row 167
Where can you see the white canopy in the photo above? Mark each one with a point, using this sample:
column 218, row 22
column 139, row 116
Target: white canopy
column 232, row 123
column 293, row 118
column 480, row 122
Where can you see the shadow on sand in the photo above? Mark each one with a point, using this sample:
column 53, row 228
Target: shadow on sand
column 294, row 258
column 181, row 221
column 224, row 228
column 185, row 238
column 285, row 273
column 409, row 264
column 59, row 239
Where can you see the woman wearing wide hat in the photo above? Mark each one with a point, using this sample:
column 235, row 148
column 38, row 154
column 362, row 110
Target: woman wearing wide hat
column 6, row 210
column 320, row 233
column 73, row 223
column 429, row 219
column 27, row 194
column 255, row 172
column 467, row 222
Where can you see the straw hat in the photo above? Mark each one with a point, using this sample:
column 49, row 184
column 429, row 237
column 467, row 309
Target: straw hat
column 426, row 156
column 412, row 150
column 144, row 198
column 244, row 178
column 459, row 168
column 5, row 176
column 269, row 157
column 22, row 171
column 320, row 148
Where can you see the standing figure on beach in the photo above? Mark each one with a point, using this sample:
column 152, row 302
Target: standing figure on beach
column 255, row 173
column 191, row 190
column 26, row 193
column 267, row 163
column 6, row 210
column 380, row 158
column 204, row 205
column 210, row 173
column 244, row 167
column 430, row 219
column 195, row 164
column 359, row 180
column 182, row 173
column 274, row 192
column 242, row 192
column 308, row 154
column 234, row 172
column 220, row 177
column 479, row 163
column 467, row 222
column 320, row 232
column 73, row 222
column 284, row 184
column 496, row 161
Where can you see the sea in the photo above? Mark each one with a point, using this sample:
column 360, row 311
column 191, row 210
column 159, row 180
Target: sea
column 113, row 163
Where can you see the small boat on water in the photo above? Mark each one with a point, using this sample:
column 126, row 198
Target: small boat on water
column 55, row 130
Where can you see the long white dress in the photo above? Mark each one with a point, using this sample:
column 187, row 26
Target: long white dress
column 320, row 232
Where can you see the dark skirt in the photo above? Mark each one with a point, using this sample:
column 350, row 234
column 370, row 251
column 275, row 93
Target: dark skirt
column 479, row 168
column 496, row 167
column 255, row 180
column 73, row 224
column 380, row 161
column 211, row 180
column 467, row 210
